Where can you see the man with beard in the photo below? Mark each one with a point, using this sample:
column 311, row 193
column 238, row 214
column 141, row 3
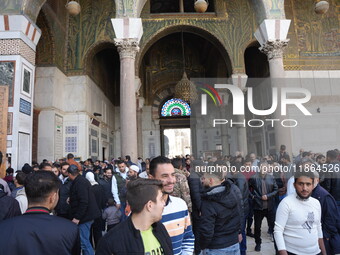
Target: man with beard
column 175, row 216
column 109, row 184
column 221, row 215
column 142, row 232
column 298, row 219
column 63, row 208
column 133, row 172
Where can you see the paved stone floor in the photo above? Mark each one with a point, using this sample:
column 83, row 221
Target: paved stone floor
column 267, row 247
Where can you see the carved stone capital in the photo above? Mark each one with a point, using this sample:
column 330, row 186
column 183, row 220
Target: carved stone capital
column 127, row 48
column 274, row 48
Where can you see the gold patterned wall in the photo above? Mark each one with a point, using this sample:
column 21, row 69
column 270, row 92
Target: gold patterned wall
column 234, row 30
column 91, row 26
column 314, row 38
column 52, row 44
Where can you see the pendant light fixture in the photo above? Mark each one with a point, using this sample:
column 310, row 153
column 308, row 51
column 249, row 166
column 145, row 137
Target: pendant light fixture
column 185, row 89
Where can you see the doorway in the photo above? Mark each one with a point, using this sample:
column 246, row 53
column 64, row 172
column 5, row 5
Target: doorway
column 177, row 142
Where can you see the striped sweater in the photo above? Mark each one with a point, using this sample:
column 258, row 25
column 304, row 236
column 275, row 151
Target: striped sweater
column 176, row 220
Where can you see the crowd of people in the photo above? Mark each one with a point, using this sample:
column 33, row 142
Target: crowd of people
column 173, row 206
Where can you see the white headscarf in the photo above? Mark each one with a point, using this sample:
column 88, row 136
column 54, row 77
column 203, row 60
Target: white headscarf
column 90, row 177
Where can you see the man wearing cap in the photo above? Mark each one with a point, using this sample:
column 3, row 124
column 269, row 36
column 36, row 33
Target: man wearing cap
column 133, row 172
column 38, row 232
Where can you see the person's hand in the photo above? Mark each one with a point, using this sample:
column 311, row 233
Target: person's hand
column 240, row 238
column 118, row 206
column 68, row 200
column 264, row 197
column 76, row 221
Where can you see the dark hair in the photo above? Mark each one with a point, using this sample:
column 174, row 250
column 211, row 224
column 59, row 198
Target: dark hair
column 121, row 162
column 176, row 162
column 20, row 177
column 282, row 147
column 106, row 169
column 332, row 154
column 306, row 172
column 286, row 157
column 70, row 156
column 40, row 184
column 56, row 164
column 43, row 165
column 73, row 170
column 320, row 157
column 111, row 202
column 64, row 164
column 157, row 161
column 128, row 157
column 141, row 191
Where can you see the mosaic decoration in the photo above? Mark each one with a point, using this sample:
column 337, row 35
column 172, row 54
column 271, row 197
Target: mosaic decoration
column 92, row 25
column 70, row 144
column 25, row 107
column 71, row 130
column 17, row 47
column 175, row 107
column 7, row 70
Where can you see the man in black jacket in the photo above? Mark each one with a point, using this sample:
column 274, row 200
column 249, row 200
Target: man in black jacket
column 9, row 206
column 63, row 208
column 84, row 207
column 241, row 182
column 263, row 191
column 331, row 182
column 141, row 233
column 38, row 232
column 221, row 215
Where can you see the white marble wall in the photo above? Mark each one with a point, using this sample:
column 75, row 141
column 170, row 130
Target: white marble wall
column 75, row 99
column 321, row 131
column 21, row 151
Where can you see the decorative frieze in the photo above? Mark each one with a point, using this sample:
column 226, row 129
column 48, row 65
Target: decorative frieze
column 17, row 47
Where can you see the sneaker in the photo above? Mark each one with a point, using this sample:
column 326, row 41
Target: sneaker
column 258, row 247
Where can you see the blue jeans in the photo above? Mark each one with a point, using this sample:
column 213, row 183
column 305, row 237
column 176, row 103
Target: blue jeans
column 84, row 231
column 231, row 250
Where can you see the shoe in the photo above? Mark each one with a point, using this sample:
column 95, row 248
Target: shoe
column 250, row 234
column 258, row 247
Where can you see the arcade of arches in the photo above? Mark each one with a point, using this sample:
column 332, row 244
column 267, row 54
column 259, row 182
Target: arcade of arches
column 95, row 84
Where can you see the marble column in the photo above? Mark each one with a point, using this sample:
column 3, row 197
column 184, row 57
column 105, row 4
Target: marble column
column 128, row 49
column 240, row 80
column 272, row 36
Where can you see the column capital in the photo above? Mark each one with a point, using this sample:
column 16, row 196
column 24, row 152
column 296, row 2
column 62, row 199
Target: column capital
column 274, row 48
column 127, row 47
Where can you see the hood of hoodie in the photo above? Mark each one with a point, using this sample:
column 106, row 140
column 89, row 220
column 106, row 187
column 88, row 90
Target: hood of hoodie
column 221, row 194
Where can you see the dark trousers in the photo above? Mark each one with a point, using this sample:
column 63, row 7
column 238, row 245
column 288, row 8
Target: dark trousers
column 258, row 217
column 250, row 215
column 96, row 232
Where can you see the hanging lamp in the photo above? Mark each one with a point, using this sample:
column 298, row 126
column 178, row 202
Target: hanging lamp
column 73, row 7
column 321, row 7
column 201, row 6
column 185, row 89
